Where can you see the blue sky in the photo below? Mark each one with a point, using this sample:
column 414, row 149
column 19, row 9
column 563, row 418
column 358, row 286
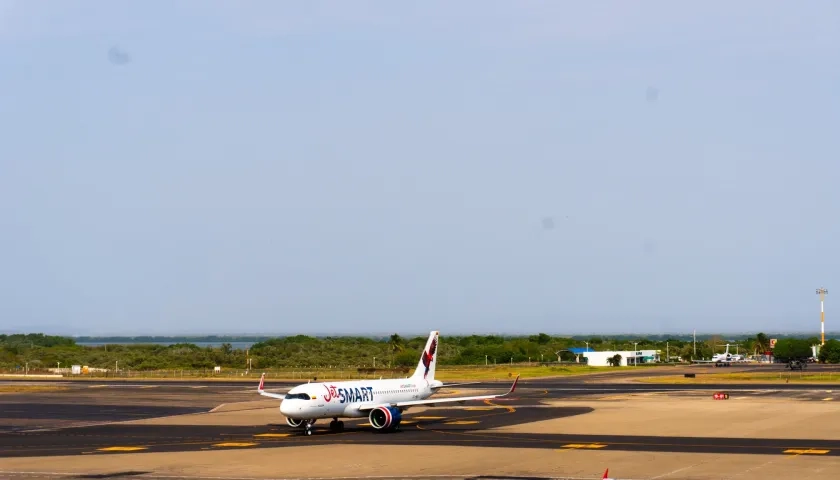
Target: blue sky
column 355, row 167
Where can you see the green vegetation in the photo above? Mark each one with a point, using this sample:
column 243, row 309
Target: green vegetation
column 787, row 349
column 295, row 352
column 299, row 356
column 830, row 352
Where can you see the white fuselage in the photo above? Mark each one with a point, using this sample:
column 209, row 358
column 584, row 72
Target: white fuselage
column 722, row 357
column 343, row 399
column 727, row 357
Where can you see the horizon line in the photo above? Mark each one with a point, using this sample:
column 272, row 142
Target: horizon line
column 455, row 333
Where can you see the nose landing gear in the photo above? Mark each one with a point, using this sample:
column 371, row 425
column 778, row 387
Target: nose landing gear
column 335, row 426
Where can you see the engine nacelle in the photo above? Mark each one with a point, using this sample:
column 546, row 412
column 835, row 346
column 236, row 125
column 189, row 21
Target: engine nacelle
column 293, row 422
column 385, row 418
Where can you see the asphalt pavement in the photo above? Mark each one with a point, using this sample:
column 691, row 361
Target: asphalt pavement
column 78, row 420
column 443, row 426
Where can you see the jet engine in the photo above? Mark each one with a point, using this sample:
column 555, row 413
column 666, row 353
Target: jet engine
column 293, row 422
column 385, row 418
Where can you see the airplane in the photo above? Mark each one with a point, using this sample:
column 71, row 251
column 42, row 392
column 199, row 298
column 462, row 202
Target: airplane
column 382, row 401
column 723, row 359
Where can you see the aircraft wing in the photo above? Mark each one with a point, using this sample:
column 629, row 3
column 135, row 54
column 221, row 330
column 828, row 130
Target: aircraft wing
column 262, row 391
column 433, row 401
column 447, row 385
column 281, row 396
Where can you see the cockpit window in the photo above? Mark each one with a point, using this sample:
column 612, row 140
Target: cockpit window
column 297, row 396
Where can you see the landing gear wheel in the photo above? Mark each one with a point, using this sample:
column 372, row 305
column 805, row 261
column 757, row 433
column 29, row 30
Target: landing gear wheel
column 307, row 429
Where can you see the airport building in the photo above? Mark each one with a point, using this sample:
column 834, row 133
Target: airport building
column 628, row 358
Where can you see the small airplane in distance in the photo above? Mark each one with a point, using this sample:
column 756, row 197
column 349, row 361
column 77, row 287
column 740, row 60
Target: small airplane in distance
column 724, row 359
column 382, row 401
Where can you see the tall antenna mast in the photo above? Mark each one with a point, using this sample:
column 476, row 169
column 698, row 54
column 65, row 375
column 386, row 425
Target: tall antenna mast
column 822, row 292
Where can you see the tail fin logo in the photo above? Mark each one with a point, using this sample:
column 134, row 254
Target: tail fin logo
column 429, row 356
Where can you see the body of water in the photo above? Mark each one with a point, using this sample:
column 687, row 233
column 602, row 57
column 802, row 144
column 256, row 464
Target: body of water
column 235, row 345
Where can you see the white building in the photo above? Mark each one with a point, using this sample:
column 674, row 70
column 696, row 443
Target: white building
column 601, row 359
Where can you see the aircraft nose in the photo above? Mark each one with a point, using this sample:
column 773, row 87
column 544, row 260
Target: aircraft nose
column 285, row 409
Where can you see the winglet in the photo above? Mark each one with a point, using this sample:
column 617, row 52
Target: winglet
column 262, row 383
column 513, row 387
column 606, row 472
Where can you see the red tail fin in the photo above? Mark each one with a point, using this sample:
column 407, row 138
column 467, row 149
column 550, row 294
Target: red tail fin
column 262, row 382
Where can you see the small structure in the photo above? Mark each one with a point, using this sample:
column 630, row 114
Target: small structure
column 651, row 356
column 628, row 357
column 576, row 351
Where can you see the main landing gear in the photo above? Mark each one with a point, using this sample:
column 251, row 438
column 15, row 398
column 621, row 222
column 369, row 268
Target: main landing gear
column 336, row 425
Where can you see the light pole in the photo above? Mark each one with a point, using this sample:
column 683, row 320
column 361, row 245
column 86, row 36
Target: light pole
column 822, row 293
column 635, row 354
column 695, row 343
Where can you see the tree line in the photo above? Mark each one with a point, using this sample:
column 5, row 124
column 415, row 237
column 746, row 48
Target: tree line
column 302, row 351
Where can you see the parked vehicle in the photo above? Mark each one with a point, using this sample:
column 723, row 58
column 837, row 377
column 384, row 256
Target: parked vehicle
column 796, row 365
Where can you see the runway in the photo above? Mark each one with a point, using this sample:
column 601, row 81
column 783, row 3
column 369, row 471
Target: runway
column 614, row 380
column 88, row 412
